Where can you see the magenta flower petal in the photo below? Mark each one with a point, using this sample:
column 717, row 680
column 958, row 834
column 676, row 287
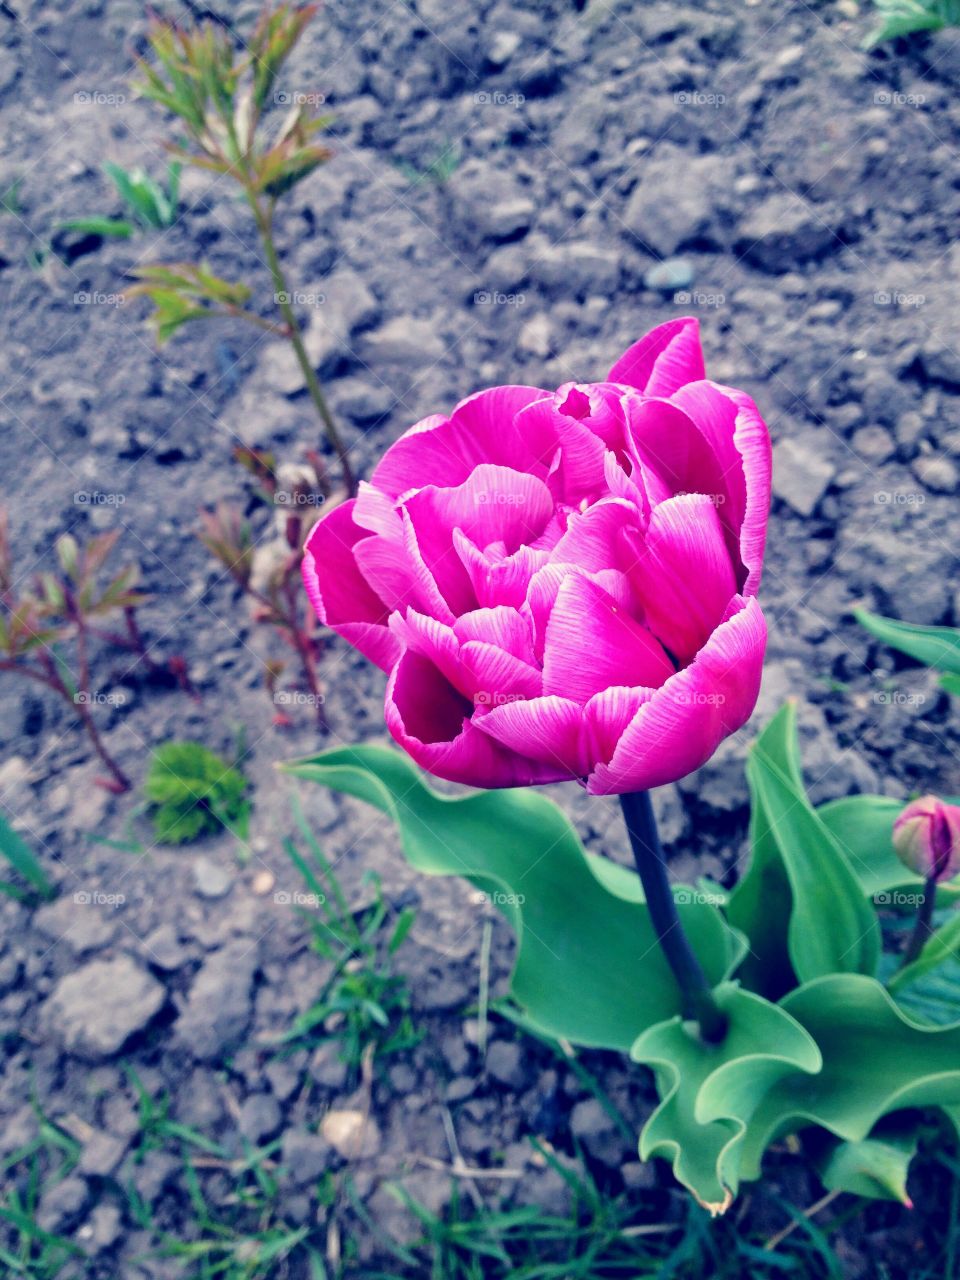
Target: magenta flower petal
column 479, row 430
column 431, row 721
column 664, row 359
column 671, row 452
column 345, row 601
column 592, row 643
column 684, row 574
column 731, row 422
column 495, row 505
column 497, row 578
column 685, row 720
column 548, row 730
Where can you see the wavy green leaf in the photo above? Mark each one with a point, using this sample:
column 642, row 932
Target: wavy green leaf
column 941, row 946
column 709, row 1091
column 877, row 1166
column 877, row 1059
column 588, row 967
column 933, row 646
column 798, row 878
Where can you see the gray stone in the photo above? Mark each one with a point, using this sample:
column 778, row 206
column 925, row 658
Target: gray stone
column 431, row 1188
column 304, row 1156
column 78, row 920
column 94, row 1010
column 259, row 1117
column 62, row 1204
column 801, row 471
column 327, row 1067
column 941, row 362
column 669, row 276
column 873, row 443
column 163, row 948
column 577, row 267
column 676, row 201
column 102, row 1153
column 103, row 1228
column 489, row 203
column 503, row 45
column 218, row 1007
column 504, row 1062
column 151, row 1174
column 199, row 1102
column 536, row 337
column 936, row 473
column 404, row 340
column 595, row 1129
column 209, row 879
column 783, row 232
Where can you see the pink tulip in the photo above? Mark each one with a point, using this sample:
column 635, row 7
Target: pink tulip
column 563, row 585
column 926, row 837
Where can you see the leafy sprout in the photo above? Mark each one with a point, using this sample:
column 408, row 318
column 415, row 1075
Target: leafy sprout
column 193, row 792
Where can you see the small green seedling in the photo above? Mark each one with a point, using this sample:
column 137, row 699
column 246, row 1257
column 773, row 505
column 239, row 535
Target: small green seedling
column 193, row 792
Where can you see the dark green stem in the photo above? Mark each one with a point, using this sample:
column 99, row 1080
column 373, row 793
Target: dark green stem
column 699, row 1002
column 923, row 926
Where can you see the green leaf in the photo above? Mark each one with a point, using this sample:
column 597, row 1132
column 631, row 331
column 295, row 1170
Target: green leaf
column 933, row 646
column 24, row 861
column 876, row 1166
column 588, row 967
column 193, row 791
column 877, row 1059
column 117, row 228
column 941, row 946
column 800, row 903
column 709, row 1091
column 863, row 827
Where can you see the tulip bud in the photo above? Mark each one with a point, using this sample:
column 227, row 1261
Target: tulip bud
column 926, row 837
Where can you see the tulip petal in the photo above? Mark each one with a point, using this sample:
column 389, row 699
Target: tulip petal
column 672, row 455
column 480, row 429
column 593, row 643
column 429, row 719
column 504, row 627
column 494, row 505
column 732, row 424
column 498, row 580
column 606, row 718
column 546, row 729
column 346, row 602
column 664, row 359
column 685, row 720
column 683, row 575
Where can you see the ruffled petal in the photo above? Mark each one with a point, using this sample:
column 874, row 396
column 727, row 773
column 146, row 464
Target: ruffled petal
column 346, row 602
column 671, row 453
column 480, row 429
column 738, row 435
column 593, row 643
column 431, row 721
column 493, row 505
column 498, row 580
column 685, row 720
column 683, row 575
column 664, row 359
column 548, row 730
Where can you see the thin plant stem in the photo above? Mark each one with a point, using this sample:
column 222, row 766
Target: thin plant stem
column 923, row 925
column 699, row 1002
column 264, row 221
